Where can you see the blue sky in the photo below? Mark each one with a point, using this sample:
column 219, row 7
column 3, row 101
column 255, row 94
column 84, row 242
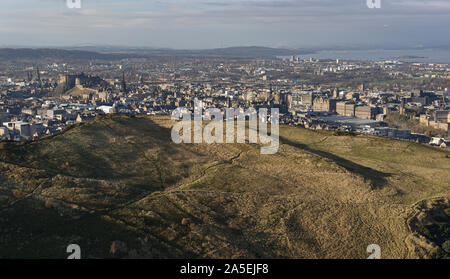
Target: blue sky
column 195, row 24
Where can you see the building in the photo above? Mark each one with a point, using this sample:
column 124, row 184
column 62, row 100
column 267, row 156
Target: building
column 438, row 120
column 442, row 116
column 323, row 104
column 345, row 109
column 307, row 99
column 106, row 109
column 366, row 112
column 20, row 127
column 4, row 131
column 392, row 133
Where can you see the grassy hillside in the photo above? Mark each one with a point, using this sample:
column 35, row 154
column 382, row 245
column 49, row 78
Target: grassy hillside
column 119, row 187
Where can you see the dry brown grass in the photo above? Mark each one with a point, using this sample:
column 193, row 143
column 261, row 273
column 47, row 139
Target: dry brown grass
column 320, row 196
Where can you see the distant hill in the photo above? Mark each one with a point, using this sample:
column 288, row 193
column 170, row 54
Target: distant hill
column 243, row 52
column 113, row 53
column 120, row 188
column 59, row 54
column 252, row 51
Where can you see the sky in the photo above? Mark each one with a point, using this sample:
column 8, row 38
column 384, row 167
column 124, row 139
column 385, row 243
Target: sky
column 201, row 24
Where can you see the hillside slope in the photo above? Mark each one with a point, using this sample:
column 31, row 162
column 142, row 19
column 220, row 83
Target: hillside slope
column 119, row 187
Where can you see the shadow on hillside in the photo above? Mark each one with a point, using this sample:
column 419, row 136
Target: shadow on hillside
column 91, row 160
column 376, row 178
column 44, row 233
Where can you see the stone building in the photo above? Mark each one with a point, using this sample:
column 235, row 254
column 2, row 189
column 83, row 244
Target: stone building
column 323, row 104
column 345, row 109
column 365, row 112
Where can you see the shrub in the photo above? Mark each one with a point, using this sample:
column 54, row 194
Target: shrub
column 446, row 246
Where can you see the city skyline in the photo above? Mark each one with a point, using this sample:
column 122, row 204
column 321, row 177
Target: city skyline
column 205, row 24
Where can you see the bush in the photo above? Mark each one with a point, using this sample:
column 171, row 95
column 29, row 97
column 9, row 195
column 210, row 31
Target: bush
column 343, row 133
column 446, row 246
column 447, row 210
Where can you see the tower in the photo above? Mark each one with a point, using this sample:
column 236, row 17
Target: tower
column 362, row 87
column 335, row 93
column 39, row 78
column 444, row 101
column 29, row 76
column 124, row 84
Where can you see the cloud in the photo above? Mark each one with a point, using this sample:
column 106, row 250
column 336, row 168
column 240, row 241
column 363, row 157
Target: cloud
column 237, row 20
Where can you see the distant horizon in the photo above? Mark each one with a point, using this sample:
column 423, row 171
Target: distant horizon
column 211, row 24
column 436, row 54
column 312, row 48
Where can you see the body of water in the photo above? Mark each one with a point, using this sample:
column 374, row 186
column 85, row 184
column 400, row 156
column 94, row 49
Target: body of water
column 406, row 55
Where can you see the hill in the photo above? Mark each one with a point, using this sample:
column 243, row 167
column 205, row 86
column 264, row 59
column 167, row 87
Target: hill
column 60, row 54
column 119, row 187
column 114, row 54
column 238, row 52
column 252, row 51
